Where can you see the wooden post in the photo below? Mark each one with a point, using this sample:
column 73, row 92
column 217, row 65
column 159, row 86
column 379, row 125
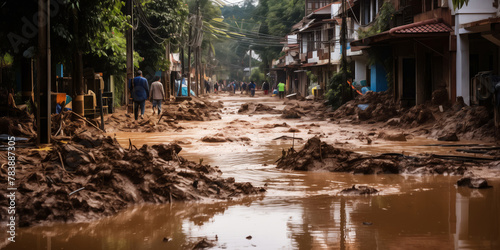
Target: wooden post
column 189, row 62
column 44, row 62
column 129, row 34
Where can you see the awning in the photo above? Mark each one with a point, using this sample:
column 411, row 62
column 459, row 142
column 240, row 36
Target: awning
column 428, row 28
column 308, row 64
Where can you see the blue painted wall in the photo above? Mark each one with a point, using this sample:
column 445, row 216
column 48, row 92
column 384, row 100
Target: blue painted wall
column 377, row 78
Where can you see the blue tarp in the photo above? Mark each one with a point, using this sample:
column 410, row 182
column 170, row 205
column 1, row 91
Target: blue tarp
column 183, row 90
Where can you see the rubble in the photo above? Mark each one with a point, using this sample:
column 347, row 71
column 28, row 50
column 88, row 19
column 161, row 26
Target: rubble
column 473, row 182
column 320, row 156
column 436, row 118
column 259, row 108
column 93, row 176
column 359, row 190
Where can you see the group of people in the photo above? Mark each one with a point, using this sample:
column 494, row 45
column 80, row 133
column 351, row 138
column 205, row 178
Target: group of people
column 140, row 92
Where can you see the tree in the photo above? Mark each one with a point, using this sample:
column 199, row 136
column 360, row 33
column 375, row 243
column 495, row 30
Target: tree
column 158, row 22
column 277, row 18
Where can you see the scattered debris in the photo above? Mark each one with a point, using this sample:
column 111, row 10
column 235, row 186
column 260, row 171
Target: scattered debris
column 204, row 243
column 473, row 182
column 320, row 156
column 259, row 108
column 360, row 190
column 449, row 137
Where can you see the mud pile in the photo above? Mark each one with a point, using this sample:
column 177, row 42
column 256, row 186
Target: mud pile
column 127, row 123
column 93, row 176
column 378, row 107
column 317, row 155
column 219, row 137
column 193, row 110
column 310, row 109
column 188, row 110
column 18, row 126
column 259, row 108
column 468, row 123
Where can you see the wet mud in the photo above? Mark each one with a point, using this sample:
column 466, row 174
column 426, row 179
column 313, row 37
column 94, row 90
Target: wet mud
column 93, row 176
column 196, row 109
column 320, row 156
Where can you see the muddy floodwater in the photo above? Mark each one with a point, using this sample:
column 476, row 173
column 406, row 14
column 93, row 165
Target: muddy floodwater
column 300, row 210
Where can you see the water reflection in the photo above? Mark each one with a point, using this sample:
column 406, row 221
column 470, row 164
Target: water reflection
column 300, row 211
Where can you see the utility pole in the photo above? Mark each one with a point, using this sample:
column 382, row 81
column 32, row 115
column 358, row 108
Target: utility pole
column 130, row 48
column 198, row 48
column 43, row 94
column 250, row 63
column 189, row 60
column 343, row 63
column 166, row 74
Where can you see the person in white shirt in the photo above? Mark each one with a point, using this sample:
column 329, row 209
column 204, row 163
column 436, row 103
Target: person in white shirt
column 157, row 94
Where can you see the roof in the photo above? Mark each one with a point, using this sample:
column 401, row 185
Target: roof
column 323, row 8
column 487, row 21
column 427, row 28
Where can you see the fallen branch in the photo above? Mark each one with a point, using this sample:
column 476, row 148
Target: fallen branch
column 61, row 159
column 85, row 119
column 78, row 190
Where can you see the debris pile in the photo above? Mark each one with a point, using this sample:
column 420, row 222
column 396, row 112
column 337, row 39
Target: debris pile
column 473, row 182
column 18, row 126
column 219, row 137
column 436, row 118
column 468, row 123
column 126, row 122
column 194, row 110
column 359, row 190
column 259, row 108
column 317, row 155
column 93, row 176
column 373, row 106
column 297, row 109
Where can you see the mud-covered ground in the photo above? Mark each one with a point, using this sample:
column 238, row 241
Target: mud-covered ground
column 86, row 175
column 91, row 176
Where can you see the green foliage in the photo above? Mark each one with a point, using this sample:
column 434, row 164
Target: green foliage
column 458, row 4
column 119, row 80
column 160, row 21
column 6, row 60
column 381, row 23
column 257, row 76
column 312, row 77
column 277, row 18
column 336, row 90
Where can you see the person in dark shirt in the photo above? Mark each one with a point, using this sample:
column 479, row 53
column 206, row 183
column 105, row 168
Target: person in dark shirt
column 139, row 89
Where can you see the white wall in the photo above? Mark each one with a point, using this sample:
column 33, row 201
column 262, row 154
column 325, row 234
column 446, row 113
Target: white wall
column 360, row 70
column 476, row 10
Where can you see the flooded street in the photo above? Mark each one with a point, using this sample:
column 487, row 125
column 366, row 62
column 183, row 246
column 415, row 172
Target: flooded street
column 300, row 210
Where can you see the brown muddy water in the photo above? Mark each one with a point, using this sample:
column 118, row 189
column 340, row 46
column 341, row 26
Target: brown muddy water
column 300, row 210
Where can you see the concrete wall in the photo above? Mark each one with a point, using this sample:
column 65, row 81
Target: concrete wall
column 359, row 70
column 474, row 11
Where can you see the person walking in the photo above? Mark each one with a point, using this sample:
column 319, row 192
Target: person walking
column 243, row 87
column 251, row 87
column 265, row 87
column 139, row 90
column 156, row 94
column 281, row 90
